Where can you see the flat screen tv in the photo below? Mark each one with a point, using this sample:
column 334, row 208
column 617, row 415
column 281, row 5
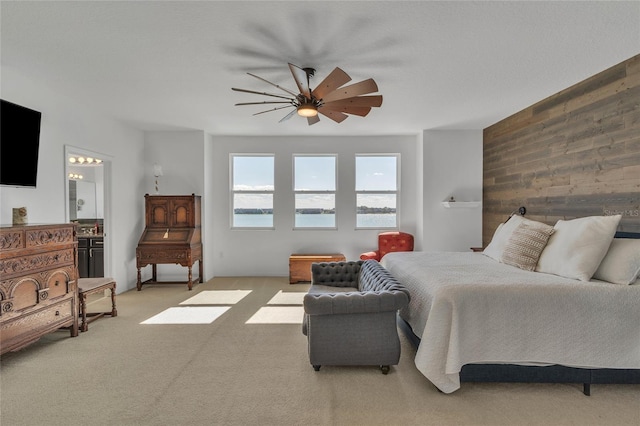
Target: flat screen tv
column 19, row 144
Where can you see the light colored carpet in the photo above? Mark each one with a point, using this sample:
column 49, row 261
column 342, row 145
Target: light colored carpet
column 228, row 372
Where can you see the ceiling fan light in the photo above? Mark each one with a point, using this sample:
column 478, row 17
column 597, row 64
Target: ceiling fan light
column 307, row 110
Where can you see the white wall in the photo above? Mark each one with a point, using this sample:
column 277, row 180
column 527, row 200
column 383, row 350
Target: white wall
column 66, row 122
column 182, row 157
column 266, row 252
column 452, row 167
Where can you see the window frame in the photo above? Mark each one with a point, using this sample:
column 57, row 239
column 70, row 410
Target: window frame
column 318, row 192
column 396, row 192
column 233, row 191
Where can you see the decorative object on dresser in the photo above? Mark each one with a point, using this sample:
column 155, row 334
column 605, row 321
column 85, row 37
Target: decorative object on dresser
column 171, row 236
column 300, row 265
column 20, row 216
column 38, row 288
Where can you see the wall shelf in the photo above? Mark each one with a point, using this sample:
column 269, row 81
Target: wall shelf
column 461, row 204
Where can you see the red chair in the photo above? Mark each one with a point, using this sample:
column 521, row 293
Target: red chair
column 389, row 242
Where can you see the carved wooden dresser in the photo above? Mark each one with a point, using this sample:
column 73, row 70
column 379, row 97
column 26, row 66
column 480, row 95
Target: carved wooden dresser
column 38, row 284
column 171, row 236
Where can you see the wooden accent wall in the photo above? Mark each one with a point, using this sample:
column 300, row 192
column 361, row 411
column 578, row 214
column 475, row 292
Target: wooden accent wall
column 574, row 154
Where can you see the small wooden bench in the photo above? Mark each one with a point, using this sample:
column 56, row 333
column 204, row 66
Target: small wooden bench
column 87, row 286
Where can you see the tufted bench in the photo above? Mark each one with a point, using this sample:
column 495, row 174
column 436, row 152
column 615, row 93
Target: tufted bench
column 350, row 314
column 87, row 286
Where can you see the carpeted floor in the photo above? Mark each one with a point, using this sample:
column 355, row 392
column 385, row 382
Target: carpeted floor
column 250, row 367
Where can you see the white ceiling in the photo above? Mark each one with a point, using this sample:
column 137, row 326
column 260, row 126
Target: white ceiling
column 439, row 65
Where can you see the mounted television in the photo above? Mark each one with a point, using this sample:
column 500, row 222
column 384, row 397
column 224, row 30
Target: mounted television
column 19, row 144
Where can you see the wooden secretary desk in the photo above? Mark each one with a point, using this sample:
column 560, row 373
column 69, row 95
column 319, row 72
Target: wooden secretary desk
column 171, row 236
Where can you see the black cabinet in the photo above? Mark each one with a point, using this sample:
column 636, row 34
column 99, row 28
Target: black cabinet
column 96, row 257
column 83, row 257
column 91, row 257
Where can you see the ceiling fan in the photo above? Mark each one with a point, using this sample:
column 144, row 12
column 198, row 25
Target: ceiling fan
column 331, row 98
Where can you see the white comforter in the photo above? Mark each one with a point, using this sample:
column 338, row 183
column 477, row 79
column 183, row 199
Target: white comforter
column 468, row 308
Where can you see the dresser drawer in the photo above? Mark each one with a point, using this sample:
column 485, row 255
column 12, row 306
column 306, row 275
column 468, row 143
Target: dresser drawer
column 49, row 236
column 20, row 266
column 11, row 239
column 19, row 331
column 158, row 254
column 57, row 285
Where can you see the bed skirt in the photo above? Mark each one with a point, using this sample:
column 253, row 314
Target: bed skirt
column 510, row 373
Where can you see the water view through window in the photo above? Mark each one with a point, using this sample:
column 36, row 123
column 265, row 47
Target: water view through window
column 315, row 188
column 265, row 220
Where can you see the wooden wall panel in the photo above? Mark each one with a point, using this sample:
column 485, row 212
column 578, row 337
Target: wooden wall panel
column 574, row 154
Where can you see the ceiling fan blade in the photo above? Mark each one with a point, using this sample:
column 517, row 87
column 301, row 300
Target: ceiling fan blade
column 360, row 101
column 273, row 84
column 258, row 93
column 273, row 109
column 361, row 88
column 347, row 109
column 336, row 116
column 302, row 80
column 335, row 79
column 288, row 116
column 313, row 120
column 262, row 103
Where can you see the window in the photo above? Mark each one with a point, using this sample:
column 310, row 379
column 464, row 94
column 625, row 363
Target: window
column 314, row 185
column 377, row 191
column 252, row 188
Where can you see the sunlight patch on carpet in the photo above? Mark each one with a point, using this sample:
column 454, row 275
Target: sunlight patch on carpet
column 217, row 297
column 188, row 315
column 287, row 298
column 277, row 315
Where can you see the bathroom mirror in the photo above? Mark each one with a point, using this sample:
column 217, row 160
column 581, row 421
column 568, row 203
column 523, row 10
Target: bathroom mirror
column 83, row 200
column 85, row 181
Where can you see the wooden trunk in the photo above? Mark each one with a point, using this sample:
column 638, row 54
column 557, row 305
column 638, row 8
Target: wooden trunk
column 300, row 265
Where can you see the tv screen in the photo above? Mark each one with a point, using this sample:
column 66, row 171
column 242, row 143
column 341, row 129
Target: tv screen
column 19, row 144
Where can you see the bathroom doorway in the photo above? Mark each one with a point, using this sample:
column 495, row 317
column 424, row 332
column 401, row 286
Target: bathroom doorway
column 87, row 177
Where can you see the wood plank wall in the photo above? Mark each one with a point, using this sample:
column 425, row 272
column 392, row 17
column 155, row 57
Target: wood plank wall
column 574, row 154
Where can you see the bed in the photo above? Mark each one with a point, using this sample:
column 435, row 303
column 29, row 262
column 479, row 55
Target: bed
column 475, row 318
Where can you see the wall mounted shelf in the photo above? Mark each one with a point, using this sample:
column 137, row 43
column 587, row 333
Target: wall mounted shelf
column 461, row 204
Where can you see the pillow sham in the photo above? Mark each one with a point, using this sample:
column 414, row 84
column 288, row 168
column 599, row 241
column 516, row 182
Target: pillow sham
column 621, row 264
column 526, row 244
column 577, row 246
column 500, row 237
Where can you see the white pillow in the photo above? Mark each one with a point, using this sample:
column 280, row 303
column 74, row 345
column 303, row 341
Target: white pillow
column 621, row 264
column 500, row 237
column 577, row 246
